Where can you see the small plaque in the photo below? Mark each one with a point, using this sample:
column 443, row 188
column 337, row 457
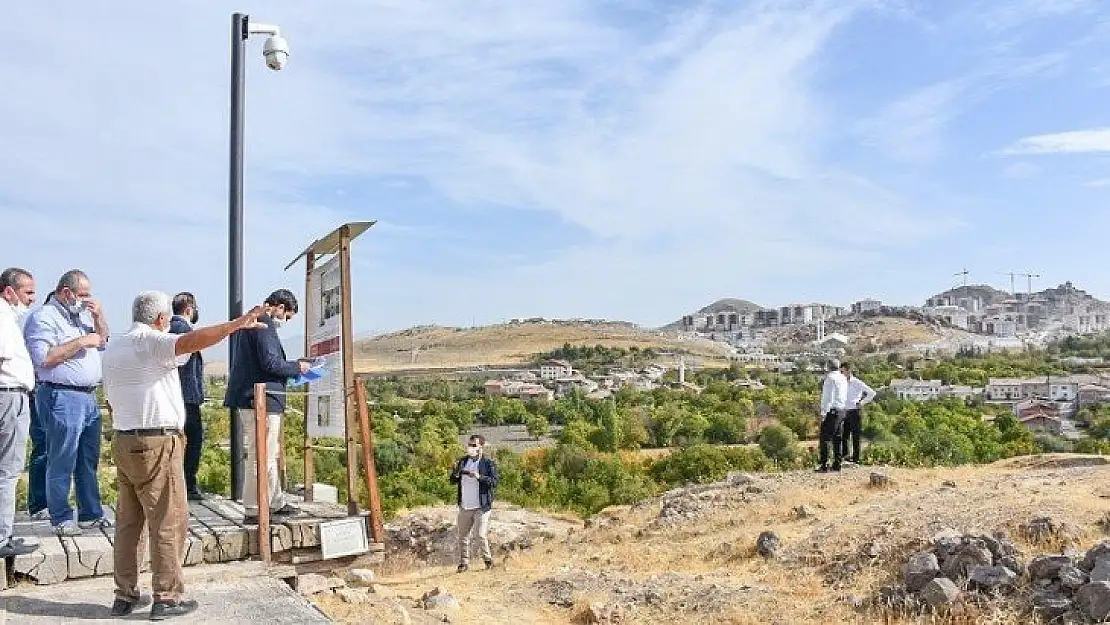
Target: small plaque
column 343, row 537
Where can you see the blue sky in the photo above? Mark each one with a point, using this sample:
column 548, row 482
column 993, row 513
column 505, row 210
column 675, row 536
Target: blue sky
column 571, row 158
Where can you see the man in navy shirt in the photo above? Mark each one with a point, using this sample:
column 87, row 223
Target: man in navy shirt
column 476, row 478
column 258, row 357
column 185, row 316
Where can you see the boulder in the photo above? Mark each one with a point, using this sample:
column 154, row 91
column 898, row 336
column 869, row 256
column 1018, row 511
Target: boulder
column 940, row 593
column 604, row 614
column 360, row 577
column 1094, row 600
column 919, row 571
column 313, row 583
column 1094, row 554
column 439, row 599
column 969, row 555
column 1014, row 563
column 992, row 578
column 767, row 545
column 1101, row 570
column 946, row 542
column 1072, row 578
column 879, row 480
column 1048, row 567
column 1050, row 605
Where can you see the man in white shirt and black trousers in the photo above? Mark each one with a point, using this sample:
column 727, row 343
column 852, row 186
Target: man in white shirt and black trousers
column 859, row 395
column 476, row 477
column 834, row 400
column 143, row 390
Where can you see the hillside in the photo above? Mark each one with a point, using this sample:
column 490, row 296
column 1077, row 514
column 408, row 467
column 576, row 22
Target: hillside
column 512, row 344
column 841, row 543
column 721, row 305
column 988, row 294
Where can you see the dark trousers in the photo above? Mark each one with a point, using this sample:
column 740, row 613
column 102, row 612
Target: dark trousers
column 831, row 431
column 194, row 440
column 36, row 463
column 853, row 423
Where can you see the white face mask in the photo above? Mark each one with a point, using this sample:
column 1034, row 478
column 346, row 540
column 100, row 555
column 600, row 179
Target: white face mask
column 472, row 451
column 278, row 321
column 20, row 311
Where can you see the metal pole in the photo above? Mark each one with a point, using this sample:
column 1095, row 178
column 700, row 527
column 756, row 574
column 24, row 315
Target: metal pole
column 239, row 23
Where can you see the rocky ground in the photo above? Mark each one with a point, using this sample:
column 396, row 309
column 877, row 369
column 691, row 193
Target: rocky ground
column 1014, row 542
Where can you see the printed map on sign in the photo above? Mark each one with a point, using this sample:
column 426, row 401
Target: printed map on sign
column 324, row 321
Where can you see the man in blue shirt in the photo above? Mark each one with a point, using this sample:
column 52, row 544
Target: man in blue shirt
column 185, row 315
column 64, row 338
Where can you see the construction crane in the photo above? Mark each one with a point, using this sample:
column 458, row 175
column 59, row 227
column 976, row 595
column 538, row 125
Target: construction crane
column 967, row 294
column 1029, row 277
column 1012, row 274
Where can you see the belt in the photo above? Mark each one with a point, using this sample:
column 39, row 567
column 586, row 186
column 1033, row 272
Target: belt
column 150, row 432
column 70, row 387
column 13, row 389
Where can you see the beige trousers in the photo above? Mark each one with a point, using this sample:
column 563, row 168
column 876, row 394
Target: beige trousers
column 474, row 522
column 250, row 472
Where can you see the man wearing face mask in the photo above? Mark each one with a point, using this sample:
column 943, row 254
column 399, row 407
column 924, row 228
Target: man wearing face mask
column 258, row 357
column 476, row 478
column 17, row 382
column 17, row 288
column 65, row 337
column 185, row 316
column 142, row 385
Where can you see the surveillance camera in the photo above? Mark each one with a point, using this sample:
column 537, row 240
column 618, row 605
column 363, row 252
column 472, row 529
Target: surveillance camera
column 276, row 52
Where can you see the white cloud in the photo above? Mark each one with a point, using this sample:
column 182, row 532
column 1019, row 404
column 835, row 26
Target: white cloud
column 676, row 141
column 1091, row 141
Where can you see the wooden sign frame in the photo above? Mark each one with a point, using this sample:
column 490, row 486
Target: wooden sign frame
column 356, row 414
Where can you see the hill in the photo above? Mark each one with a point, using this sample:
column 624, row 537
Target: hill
column 721, row 305
column 511, row 344
column 986, row 293
column 840, row 544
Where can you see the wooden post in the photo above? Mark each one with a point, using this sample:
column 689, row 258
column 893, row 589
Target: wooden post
column 261, row 421
column 348, row 368
column 366, row 427
column 309, row 452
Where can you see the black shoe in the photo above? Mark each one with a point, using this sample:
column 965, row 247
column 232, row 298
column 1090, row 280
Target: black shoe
column 19, row 548
column 821, row 470
column 195, row 495
column 123, row 607
column 462, row 568
column 161, row 611
column 836, row 467
column 489, row 564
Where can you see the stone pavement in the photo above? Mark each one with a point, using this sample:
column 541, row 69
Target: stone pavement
column 230, row 593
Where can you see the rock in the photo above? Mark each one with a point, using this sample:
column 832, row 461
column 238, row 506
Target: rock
column 991, row 578
column 969, row 555
column 940, row 593
column 1013, row 563
column 360, row 577
column 948, row 484
column 604, row 614
column 1101, row 570
column 739, row 479
column 1094, row 600
column 312, row 583
column 871, row 550
column 946, row 542
column 1048, row 567
column 803, row 512
column 767, row 545
column 354, row 595
column 1072, row 578
column 1094, row 554
column 439, row 599
column 919, row 571
column 1050, row 605
column 879, row 480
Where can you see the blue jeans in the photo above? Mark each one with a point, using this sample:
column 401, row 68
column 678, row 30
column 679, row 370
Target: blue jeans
column 36, row 465
column 72, row 423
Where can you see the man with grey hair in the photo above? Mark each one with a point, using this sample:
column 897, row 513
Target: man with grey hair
column 17, row 381
column 834, row 401
column 143, row 388
column 65, row 337
column 17, row 288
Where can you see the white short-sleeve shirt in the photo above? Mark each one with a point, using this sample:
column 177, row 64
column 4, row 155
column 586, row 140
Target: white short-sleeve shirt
column 16, row 369
column 141, row 381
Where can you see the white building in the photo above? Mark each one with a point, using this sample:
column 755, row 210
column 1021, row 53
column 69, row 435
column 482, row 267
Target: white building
column 555, row 369
column 866, row 305
column 916, row 390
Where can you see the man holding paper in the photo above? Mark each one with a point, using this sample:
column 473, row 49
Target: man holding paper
column 258, row 357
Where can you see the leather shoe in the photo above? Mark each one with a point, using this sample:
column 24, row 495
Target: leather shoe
column 161, row 610
column 195, row 495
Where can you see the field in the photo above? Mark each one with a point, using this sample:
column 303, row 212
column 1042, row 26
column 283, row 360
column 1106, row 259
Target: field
column 699, row 564
column 512, row 344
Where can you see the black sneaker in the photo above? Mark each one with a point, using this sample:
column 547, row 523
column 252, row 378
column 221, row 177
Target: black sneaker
column 195, row 495
column 462, row 568
column 161, row 611
column 821, row 470
column 14, row 548
column 123, row 607
column 836, row 467
column 489, row 564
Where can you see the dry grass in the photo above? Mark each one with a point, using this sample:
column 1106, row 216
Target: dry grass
column 823, row 569
column 512, row 344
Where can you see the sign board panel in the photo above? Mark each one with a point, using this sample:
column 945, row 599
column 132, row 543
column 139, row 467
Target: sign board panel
column 326, row 405
column 343, row 537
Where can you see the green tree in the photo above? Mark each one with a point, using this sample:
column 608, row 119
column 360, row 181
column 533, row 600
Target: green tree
column 780, row 444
